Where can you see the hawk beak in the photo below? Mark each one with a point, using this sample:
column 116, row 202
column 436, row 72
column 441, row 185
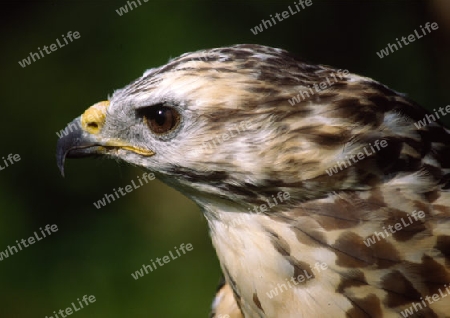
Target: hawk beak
column 81, row 138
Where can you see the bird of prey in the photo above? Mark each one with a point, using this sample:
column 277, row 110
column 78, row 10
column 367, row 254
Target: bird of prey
column 326, row 193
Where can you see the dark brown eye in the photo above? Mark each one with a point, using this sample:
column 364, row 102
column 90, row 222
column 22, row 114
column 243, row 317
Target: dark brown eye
column 161, row 119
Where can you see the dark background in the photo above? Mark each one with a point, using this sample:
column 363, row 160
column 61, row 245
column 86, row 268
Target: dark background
column 95, row 251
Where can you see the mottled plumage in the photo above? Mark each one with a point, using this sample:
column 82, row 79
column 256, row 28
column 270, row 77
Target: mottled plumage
column 238, row 141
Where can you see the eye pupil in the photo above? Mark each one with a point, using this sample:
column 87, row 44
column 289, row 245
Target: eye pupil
column 161, row 119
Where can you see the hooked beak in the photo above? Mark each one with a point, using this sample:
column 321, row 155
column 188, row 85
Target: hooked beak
column 81, row 138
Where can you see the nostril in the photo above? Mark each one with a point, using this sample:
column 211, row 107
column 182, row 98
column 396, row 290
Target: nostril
column 92, row 124
column 94, row 117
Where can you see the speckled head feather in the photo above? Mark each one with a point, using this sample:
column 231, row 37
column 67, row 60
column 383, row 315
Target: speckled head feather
column 296, row 167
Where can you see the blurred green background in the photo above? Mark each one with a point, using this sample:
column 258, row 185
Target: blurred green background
column 95, row 251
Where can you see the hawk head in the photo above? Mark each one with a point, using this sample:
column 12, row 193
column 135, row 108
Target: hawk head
column 293, row 164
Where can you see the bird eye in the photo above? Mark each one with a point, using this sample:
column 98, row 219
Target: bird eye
column 161, row 119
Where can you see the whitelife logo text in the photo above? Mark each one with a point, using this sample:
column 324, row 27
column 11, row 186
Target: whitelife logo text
column 109, row 198
column 281, row 16
column 360, row 155
column 406, row 41
column 53, row 47
column 161, row 261
column 24, row 243
column 63, row 313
